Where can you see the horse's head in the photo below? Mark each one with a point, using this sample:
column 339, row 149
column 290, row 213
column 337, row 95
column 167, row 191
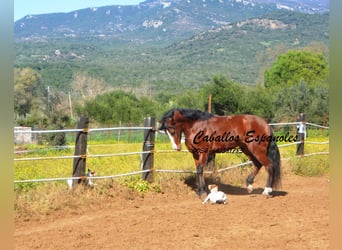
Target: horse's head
column 170, row 123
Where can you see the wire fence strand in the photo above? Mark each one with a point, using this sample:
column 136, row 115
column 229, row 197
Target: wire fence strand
column 82, row 177
column 140, row 153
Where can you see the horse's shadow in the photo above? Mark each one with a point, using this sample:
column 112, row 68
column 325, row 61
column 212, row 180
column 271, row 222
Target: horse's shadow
column 191, row 181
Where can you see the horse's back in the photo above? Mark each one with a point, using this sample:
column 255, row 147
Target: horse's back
column 243, row 122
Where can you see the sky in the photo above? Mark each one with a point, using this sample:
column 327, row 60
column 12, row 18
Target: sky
column 32, row 7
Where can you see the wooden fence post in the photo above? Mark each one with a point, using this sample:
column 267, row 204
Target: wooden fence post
column 79, row 165
column 324, row 123
column 210, row 165
column 301, row 131
column 148, row 158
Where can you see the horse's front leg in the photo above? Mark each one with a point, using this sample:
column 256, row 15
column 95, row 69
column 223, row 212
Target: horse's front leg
column 200, row 165
column 201, row 181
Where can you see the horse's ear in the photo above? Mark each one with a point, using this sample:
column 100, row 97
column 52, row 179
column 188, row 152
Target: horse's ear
column 177, row 116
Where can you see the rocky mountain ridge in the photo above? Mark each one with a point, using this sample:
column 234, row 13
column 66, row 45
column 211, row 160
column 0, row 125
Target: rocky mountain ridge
column 153, row 20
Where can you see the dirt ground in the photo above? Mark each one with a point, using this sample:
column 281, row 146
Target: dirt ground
column 296, row 218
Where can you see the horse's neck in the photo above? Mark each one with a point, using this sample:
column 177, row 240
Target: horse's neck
column 185, row 128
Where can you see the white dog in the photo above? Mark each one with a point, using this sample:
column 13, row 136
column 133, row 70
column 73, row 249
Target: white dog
column 215, row 196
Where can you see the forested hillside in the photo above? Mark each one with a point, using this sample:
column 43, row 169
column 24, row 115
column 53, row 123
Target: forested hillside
column 240, row 51
column 236, row 63
column 150, row 21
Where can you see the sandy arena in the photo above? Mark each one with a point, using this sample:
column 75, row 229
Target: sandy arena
column 297, row 218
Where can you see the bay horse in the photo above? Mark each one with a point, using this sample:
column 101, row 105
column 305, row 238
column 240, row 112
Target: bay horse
column 206, row 134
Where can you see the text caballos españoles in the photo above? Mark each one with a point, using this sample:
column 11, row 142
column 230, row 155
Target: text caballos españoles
column 249, row 137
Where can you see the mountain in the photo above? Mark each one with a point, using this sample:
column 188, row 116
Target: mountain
column 305, row 6
column 153, row 20
column 240, row 51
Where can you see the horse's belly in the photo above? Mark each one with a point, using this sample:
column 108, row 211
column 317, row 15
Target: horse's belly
column 223, row 147
column 216, row 147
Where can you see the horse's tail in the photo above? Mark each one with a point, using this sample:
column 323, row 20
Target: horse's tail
column 274, row 156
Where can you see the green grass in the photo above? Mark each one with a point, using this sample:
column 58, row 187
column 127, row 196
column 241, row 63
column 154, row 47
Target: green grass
column 43, row 197
column 62, row 168
column 311, row 166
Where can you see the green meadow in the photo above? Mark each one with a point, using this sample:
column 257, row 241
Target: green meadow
column 41, row 197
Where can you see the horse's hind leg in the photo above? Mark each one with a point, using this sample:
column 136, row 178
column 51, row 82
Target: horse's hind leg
column 268, row 188
column 273, row 169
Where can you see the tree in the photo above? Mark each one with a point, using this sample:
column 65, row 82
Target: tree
column 191, row 99
column 113, row 107
column 226, row 95
column 319, row 107
column 258, row 101
column 88, row 87
column 295, row 66
column 28, row 91
column 291, row 101
column 57, row 121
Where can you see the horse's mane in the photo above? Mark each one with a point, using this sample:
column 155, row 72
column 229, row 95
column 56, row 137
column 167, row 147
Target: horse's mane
column 192, row 114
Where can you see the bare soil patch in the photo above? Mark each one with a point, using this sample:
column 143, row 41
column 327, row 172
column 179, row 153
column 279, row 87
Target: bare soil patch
column 297, row 218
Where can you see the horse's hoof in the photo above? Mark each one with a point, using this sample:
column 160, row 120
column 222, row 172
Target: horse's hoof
column 250, row 188
column 203, row 196
column 267, row 191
